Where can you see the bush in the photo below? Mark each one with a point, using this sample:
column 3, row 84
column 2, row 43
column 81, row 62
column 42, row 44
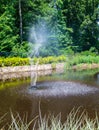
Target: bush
column 87, row 53
column 17, row 61
column 79, row 59
column 73, row 60
column 21, row 51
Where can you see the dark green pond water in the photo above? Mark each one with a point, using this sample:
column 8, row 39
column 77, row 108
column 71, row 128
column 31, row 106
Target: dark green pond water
column 56, row 93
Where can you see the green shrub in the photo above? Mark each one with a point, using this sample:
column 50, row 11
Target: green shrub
column 17, row 61
column 87, row 53
column 79, row 59
column 74, row 60
column 61, row 58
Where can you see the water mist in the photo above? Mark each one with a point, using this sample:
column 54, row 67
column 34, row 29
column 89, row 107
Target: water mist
column 37, row 39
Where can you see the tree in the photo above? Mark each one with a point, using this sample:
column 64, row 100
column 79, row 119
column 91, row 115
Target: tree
column 76, row 13
column 8, row 38
column 20, row 16
column 59, row 35
column 89, row 33
column 69, row 23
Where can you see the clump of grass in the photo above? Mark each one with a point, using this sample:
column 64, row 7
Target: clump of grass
column 75, row 121
column 53, row 66
column 81, row 59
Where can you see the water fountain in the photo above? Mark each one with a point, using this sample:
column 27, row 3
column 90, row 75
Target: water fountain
column 38, row 36
column 37, row 39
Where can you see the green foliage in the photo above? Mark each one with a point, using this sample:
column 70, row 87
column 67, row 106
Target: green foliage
column 92, row 52
column 20, row 50
column 83, row 58
column 69, row 51
column 71, row 26
column 79, row 59
column 8, row 38
column 81, row 16
column 87, row 53
column 17, row 61
column 52, row 59
column 89, row 32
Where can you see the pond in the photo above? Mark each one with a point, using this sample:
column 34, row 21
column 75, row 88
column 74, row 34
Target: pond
column 58, row 92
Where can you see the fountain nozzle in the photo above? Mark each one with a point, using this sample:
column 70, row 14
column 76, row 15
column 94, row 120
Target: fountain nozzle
column 33, row 87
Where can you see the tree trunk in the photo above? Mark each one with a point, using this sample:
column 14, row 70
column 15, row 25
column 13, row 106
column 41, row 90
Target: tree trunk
column 20, row 15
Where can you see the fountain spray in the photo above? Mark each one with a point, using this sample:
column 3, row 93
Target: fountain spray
column 37, row 39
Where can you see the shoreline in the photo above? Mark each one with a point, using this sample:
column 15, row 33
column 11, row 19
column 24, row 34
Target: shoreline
column 85, row 66
column 44, row 67
column 25, row 71
column 15, row 72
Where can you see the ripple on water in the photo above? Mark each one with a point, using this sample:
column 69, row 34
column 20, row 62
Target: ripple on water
column 61, row 88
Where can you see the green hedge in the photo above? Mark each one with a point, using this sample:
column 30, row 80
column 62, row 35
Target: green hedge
column 73, row 60
column 17, row 61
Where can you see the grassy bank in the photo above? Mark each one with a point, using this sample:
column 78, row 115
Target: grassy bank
column 75, row 121
column 78, row 60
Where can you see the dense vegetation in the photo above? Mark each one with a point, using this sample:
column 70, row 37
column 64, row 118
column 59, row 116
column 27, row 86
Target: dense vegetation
column 17, row 61
column 71, row 26
column 71, row 60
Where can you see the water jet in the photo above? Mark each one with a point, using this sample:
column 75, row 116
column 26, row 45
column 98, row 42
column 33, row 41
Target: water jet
column 36, row 40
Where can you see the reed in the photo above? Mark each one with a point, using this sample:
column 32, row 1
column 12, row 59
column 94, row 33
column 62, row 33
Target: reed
column 75, row 121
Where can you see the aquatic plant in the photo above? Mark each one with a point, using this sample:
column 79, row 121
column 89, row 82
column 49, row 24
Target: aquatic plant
column 75, row 120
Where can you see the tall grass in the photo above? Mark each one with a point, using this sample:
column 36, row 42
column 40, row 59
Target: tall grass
column 74, row 121
column 80, row 59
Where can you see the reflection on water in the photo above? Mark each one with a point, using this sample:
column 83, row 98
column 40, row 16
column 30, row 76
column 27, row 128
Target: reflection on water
column 56, row 93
